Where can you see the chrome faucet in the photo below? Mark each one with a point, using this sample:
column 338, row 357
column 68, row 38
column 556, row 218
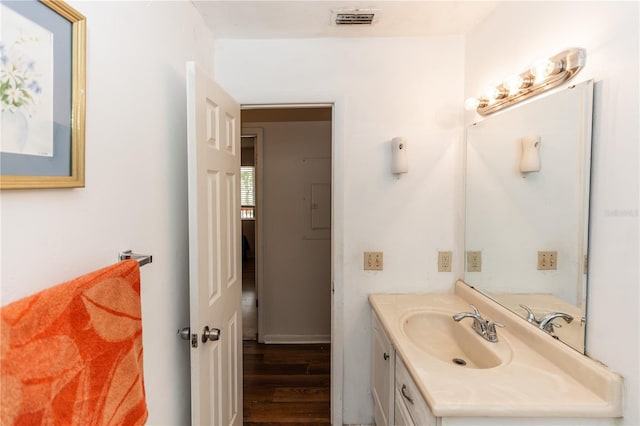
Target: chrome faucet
column 484, row 327
column 546, row 323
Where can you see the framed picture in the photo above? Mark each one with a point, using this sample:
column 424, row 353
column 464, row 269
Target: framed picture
column 42, row 95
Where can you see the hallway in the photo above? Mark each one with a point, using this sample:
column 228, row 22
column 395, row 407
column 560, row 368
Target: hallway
column 283, row 384
column 286, row 384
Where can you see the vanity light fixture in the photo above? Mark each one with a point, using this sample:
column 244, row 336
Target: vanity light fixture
column 543, row 75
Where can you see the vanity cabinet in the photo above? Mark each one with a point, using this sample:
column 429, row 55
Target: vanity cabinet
column 563, row 388
column 382, row 374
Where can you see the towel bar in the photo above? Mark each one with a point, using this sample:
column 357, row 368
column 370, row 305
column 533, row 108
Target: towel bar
column 142, row 259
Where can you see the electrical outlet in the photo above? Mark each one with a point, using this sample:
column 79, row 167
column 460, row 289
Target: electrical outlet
column 444, row 261
column 474, row 261
column 547, row 260
column 373, row 260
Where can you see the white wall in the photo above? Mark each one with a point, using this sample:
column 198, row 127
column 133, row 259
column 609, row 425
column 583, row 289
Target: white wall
column 385, row 87
column 135, row 195
column 296, row 279
column 609, row 31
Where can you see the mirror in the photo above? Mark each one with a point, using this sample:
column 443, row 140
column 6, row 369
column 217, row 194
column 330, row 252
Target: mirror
column 526, row 232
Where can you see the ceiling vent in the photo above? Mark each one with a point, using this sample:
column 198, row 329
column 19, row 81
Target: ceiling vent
column 354, row 17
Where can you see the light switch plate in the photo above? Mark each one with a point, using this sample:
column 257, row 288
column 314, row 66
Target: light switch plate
column 547, row 260
column 373, row 260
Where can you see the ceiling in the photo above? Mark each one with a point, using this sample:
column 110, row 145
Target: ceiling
column 240, row 19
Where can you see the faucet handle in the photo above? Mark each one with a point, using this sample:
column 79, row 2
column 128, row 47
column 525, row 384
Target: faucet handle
column 475, row 310
column 531, row 317
column 491, row 325
column 551, row 326
column 492, row 334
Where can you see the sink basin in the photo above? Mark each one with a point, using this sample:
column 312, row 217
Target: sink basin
column 454, row 343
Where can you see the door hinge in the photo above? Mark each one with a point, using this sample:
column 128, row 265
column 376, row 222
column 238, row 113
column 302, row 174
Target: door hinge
column 256, row 303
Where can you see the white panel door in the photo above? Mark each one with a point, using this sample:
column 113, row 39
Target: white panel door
column 215, row 287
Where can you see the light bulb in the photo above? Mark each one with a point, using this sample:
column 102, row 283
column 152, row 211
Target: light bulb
column 513, row 83
column 471, row 104
column 490, row 93
column 546, row 67
column 494, row 93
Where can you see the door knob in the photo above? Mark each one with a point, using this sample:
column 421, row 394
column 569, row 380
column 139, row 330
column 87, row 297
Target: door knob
column 212, row 334
column 184, row 333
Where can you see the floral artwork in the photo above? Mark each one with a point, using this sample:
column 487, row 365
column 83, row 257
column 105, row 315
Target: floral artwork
column 26, row 86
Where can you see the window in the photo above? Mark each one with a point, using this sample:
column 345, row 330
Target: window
column 247, row 192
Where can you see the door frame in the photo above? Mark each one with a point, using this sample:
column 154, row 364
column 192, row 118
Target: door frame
column 337, row 239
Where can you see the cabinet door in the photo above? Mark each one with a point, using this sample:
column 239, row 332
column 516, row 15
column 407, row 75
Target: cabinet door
column 382, row 374
column 409, row 395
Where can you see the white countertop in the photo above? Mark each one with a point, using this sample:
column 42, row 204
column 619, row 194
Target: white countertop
column 543, row 378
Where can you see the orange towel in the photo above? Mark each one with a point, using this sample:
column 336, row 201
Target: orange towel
column 72, row 354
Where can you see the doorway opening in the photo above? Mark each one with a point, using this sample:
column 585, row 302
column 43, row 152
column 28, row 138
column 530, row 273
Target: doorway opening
column 286, row 227
column 248, row 215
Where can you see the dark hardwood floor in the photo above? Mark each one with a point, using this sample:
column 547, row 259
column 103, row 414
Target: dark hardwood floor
column 249, row 296
column 286, row 384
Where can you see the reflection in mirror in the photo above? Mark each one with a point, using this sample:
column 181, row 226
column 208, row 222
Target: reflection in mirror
column 527, row 205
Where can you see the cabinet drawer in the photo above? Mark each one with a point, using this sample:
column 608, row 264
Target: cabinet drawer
column 403, row 418
column 411, row 397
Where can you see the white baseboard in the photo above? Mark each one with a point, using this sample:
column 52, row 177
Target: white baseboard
column 296, row 338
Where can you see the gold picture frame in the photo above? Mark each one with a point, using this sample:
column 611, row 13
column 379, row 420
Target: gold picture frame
column 66, row 155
